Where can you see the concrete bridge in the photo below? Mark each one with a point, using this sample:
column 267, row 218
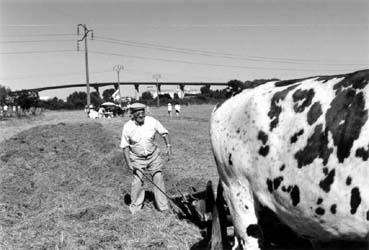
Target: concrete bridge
column 158, row 85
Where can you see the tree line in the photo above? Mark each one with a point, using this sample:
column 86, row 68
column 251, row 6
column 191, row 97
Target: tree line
column 78, row 99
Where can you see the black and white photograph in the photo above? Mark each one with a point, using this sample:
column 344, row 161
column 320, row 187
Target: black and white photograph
column 184, row 124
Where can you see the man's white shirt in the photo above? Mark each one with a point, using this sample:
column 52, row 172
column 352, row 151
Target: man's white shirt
column 140, row 138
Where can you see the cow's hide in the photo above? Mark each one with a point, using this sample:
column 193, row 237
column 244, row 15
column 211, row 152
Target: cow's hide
column 300, row 148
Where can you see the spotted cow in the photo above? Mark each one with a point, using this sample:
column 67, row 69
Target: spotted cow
column 301, row 149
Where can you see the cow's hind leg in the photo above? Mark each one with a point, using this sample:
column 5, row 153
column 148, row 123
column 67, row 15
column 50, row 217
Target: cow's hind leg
column 241, row 205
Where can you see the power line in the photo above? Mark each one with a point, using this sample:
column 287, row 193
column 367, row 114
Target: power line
column 39, row 35
column 36, row 52
column 229, row 57
column 218, row 54
column 208, row 64
column 36, row 41
column 54, row 75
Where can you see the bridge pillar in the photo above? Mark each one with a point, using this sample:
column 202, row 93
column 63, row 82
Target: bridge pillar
column 137, row 88
column 158, row 90
column 97, row 89
column 181, row 92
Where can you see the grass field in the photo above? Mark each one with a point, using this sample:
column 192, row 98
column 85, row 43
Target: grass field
column 63, row 182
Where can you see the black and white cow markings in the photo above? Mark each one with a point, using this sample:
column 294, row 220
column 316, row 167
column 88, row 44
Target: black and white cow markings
column 325, row 170
column 274, row 184
column 344, row 119
column 319, row 201
column 263, row 137
column 288, row 82
column 295, row 195
column 303, row 153
column 294, row 191
column 348, row 180
column 320, row 211
column 314, row 113
column 317, row 147
column 269, row 183
column 275, row 110
column 356, row 80
column 230, row 159
column 362, row 153
column 282, row 167
column 302, row 99
column 355, row 199
column 286, row 189
column 296, row 135
column 326, row 183
column 277, row 181
column 254, row 230
column 333, row 209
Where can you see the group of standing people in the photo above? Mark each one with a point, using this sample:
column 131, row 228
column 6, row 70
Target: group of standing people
column 177, row 109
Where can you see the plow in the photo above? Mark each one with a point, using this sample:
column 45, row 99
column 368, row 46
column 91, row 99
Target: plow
column 207, row 210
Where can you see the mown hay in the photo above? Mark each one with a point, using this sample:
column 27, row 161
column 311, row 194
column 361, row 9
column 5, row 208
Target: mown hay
column 63, row 187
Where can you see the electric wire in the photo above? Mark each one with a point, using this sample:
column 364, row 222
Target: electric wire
column 36, row 41
column 39, row 35
column 207, row 64
column 36, row 52
column 214, row 53
column 56, row 75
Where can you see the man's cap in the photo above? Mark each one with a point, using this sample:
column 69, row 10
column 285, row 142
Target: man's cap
column 137, row 106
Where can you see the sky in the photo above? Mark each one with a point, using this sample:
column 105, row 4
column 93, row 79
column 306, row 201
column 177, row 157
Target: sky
column 182, row 40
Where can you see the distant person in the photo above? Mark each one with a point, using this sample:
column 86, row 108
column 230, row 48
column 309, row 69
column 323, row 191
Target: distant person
column 5, row 110
column 93, row 114
column 170, row 109
column 128, row 108
column 142, row 155
column 101, row 112
column 177, row 108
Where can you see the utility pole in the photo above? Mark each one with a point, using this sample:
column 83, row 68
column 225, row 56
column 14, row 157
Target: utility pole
column 157, row 77
column 84, row 37
column 118, row 68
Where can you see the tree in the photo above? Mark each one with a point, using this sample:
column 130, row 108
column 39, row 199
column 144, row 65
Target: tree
column 4, row 92
column 77, row 100
column 236, row 86
column 146, row 96
column 107, row 95
column 53, row 104
column 205, row 90
column 95, row 99
column 26, row 99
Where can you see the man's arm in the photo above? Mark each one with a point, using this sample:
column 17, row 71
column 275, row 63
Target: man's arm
column 167, row 143
column 126, row 158
column 165, row 134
